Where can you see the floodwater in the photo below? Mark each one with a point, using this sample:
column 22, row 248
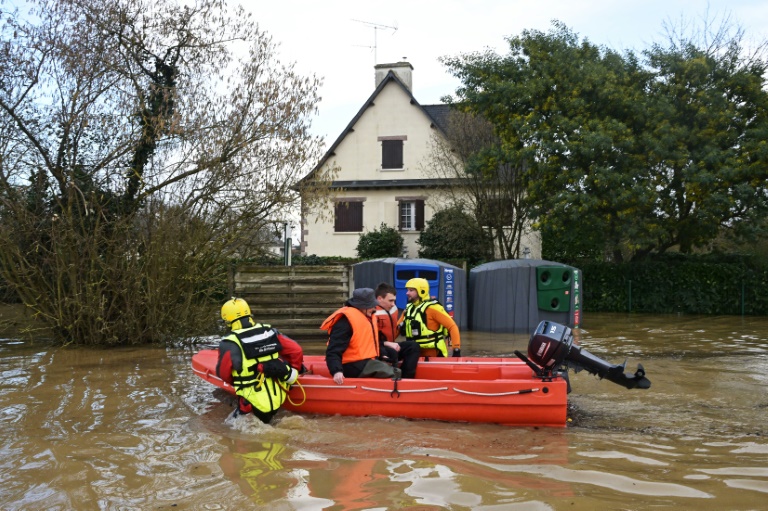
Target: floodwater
column 134, row 429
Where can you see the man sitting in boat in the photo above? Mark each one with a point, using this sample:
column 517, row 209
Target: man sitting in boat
column 426, row 322
column 353, row 340
column 257, row 360
column 387, row 319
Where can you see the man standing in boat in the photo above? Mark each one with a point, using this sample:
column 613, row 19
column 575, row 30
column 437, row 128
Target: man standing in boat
column 387, row 321
column 257, row 360
column 426, row 322
column 353, row 340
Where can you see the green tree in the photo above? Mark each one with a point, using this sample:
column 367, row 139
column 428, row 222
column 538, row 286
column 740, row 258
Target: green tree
column 708, row 138
column 452, row 234
column 382, row 242
column 141, row 145
column 632, row 156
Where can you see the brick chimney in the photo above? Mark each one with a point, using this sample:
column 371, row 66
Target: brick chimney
column 403, row 70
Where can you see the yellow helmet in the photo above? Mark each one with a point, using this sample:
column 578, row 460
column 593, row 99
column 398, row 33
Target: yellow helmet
column 234, row 309
column 421, row 286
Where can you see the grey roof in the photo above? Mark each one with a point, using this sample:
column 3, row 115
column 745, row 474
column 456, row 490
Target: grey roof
column 392, row 183
column 439, row 114
column 512, row 263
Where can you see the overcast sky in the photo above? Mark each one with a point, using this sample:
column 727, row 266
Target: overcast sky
column 335, row 39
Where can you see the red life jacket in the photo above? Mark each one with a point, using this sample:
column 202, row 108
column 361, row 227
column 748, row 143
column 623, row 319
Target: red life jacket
column 386, row 322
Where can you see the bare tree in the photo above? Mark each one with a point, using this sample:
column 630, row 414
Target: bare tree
column 142, row 144
column 482, row 180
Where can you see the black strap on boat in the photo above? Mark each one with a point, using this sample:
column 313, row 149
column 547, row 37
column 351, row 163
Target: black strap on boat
column 538, row 371
column 395, row 392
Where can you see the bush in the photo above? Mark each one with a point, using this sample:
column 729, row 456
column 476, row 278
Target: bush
column 452, row 235
column 384, row 242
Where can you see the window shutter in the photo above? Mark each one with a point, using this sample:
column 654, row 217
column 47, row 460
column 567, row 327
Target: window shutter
column 400, row 215
column 348, row 217
column 419, row 215
column 391, row 154
column 356, row 214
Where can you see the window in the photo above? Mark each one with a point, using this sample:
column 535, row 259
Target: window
column 392, row 152
column 348, row 216
column 407, row 216
column 411, row 214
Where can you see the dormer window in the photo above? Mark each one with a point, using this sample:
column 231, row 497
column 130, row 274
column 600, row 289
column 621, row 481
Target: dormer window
column 392, row 152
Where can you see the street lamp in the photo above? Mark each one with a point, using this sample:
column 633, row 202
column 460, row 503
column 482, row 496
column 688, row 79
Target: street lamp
column 287, row 245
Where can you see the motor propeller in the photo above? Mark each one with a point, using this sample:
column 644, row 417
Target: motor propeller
column 551, row 347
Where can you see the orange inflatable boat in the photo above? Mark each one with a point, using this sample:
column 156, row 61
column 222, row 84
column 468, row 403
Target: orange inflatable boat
column 497, row 390
column 519, row 391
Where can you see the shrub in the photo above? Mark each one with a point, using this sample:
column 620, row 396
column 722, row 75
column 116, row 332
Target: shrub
column 452, row 235
column 384, row 242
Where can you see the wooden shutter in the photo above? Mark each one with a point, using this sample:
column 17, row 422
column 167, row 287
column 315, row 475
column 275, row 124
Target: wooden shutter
column 348, row 217
column 391, row 154
column 419, row 215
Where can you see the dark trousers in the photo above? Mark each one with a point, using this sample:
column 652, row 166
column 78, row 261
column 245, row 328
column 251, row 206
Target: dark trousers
column 408, row 357
column 244, row 408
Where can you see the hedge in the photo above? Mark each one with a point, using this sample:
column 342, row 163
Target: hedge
column 669, row 286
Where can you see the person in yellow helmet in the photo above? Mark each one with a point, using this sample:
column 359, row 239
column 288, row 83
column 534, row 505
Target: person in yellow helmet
column 426, row 322
column 257, row 360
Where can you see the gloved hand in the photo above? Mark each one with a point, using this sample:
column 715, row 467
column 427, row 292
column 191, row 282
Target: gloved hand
column 456, row 352
column 276, row 369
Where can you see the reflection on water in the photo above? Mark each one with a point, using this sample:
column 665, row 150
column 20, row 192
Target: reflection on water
column 135, row 429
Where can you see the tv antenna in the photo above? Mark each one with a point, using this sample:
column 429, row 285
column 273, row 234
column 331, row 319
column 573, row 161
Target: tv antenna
column 376, row 27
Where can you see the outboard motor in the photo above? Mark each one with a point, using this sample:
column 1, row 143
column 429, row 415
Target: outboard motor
column 551, row 346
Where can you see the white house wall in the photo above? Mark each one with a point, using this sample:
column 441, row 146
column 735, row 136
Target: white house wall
column 358, row 157
column 379, row 206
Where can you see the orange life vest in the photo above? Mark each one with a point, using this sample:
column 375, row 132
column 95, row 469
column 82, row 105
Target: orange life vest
column 364, row 343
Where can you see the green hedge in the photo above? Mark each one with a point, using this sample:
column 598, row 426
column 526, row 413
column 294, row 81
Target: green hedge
column 684, row 285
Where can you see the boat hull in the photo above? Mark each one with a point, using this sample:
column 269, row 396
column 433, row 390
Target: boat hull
column 467, row 389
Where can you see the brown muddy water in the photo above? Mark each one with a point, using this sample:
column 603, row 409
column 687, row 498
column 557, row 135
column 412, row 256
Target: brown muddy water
column 135, row 429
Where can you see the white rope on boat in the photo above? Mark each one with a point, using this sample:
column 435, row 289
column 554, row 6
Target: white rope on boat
column 524, row 391
column 473, row 363
column 208, row 374
column 408, row 391
column 329, row 386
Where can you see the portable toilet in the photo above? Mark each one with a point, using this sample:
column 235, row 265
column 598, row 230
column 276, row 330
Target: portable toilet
column 516, row 294
column 447, row 283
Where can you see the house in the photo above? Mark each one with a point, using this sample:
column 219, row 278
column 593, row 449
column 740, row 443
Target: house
column 379, row 160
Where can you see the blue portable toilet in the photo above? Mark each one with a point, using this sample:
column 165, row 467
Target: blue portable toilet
column 447, row 283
